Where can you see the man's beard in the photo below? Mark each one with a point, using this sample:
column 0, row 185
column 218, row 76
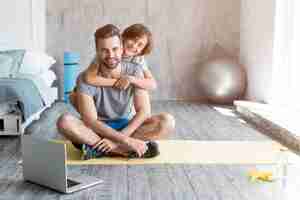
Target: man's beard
column 111, row 66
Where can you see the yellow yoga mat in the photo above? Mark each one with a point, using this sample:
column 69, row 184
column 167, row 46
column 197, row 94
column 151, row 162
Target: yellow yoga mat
column 192, row 152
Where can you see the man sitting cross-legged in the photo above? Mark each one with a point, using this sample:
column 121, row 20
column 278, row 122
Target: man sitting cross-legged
column 107, row 125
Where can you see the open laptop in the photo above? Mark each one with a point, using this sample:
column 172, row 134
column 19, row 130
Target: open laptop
column 44, row 163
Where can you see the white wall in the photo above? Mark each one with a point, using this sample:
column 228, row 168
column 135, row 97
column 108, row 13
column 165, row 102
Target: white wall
column 185, row 33
column 256, row 45
column 22, row 24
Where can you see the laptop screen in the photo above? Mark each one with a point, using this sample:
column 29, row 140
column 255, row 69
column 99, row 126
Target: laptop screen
column 44, row 162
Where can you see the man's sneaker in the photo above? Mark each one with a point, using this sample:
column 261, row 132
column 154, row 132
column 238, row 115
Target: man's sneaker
column 89, row 153
column 152, row 151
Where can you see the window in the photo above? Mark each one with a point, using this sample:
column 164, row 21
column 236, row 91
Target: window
column 286, row 55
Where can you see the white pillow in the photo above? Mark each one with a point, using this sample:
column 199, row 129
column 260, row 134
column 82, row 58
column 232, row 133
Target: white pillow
column 49, row 77
column 36, row 63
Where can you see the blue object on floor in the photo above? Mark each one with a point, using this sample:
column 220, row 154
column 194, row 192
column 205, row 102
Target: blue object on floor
column 71, row 58
column 71, row 71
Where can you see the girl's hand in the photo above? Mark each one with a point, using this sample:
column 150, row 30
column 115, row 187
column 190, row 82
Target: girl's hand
column 122, row 83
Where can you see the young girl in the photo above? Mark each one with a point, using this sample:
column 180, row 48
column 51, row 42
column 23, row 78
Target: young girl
column 137, row 42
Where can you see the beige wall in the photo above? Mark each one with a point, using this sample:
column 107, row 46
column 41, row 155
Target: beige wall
column 184, row 33
column 256, row 46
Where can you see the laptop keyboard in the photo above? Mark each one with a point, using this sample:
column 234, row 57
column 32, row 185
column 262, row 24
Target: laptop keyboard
column 71, row 183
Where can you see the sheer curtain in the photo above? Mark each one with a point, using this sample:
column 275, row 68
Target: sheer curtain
column 285, row 88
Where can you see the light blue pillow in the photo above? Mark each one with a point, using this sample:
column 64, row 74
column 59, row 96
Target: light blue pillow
column 5, row 64
column 10, row 62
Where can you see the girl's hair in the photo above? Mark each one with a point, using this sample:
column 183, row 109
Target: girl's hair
column 137, row 31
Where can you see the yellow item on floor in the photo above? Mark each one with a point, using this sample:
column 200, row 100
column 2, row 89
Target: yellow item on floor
column 191, row 152
column 265, row 176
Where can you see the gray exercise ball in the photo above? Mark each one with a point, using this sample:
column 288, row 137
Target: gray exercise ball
column 222, row 80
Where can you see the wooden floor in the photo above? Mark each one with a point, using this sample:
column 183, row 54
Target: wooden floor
column 184, row 182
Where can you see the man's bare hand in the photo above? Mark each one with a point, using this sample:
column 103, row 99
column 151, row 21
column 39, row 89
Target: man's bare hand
column 122, row 83
column 136, row 145
column 105, row 145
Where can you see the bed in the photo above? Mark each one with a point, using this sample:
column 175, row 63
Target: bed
column 30, row 97
column 25, row 76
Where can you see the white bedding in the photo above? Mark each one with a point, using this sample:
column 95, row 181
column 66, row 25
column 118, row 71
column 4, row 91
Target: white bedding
column 48, row 77
column 48, row 94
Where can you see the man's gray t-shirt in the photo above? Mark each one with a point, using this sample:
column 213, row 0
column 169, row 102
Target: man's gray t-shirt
column 112, row 103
